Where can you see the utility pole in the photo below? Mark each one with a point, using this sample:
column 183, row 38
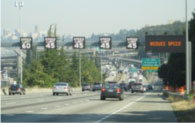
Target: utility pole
column 79, row 68
column 101, row 66
column 20, row 4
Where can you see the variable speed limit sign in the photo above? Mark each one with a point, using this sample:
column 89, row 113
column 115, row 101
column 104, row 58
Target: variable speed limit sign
column 78, row 42
column 26, row 42
column 50, row 42
column 132, row 42
column 105, row 42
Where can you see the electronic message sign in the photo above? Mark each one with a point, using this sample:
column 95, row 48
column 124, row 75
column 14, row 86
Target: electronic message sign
column 165, row 43
column 50, row 42
column 131, row 42
column 105, row 42
column 26, row 43
column 78, row 42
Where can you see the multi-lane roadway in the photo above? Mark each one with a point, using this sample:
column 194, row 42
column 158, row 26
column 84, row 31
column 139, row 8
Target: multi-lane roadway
column 85, row 107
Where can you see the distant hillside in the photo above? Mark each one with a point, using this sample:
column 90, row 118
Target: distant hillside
column 173, row 29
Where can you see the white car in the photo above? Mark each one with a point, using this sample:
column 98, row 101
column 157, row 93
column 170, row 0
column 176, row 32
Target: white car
column 62, row 88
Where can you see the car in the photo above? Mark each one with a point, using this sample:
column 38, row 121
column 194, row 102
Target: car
column 131, row 84
column 96, row 86
column 62, row 88
column 150, row 87
column 137, row 87
column 111, row 90
column 124, row 86
column 86, row 86
column 146, row 87
column 16, row 89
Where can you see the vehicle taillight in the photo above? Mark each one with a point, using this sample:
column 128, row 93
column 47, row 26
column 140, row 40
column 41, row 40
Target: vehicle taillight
column 103, row 89
column 19, row 89
column 65, row 88
column 54, row 87
column 118, row 90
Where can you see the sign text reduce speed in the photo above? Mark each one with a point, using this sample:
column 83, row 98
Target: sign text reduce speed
column 165, row 43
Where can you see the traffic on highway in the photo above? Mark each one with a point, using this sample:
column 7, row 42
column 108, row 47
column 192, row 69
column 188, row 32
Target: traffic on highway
column 97, row 61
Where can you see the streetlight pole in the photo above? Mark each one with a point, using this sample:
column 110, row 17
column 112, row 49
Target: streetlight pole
column 20, row 4
column 187, row 51
column 101, row 66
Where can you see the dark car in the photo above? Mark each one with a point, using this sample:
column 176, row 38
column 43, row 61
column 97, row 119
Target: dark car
column 86, row 87
column 124, row 86
column 112, row 90
column 131, row 84
column 150, row 87
column 96, row 86
column 16, row 89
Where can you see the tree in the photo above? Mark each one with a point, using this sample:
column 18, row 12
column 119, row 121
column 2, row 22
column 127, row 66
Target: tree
column 163, row 73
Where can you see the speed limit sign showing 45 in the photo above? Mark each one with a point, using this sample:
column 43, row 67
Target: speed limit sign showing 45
column 78, row 42
column 132, row 42
column 105, row 42
column 26, row 42
column 50, row 42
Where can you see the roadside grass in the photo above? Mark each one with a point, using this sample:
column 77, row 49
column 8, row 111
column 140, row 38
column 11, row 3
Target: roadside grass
column 184, row 109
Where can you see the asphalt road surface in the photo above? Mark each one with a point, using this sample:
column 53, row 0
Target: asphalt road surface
column 86, row 107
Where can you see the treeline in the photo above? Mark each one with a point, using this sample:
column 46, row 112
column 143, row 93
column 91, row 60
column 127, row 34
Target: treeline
column 174, row 72
column 174, row 28
column 45, row 68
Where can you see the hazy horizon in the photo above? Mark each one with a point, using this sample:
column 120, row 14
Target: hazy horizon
column 85, row 17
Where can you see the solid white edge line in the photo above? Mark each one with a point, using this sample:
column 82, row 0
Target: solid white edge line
column 128, row 105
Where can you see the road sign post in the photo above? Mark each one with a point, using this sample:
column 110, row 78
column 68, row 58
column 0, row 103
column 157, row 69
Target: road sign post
column 105, row 42
column 187, row 51
column 79, row 43
column 25, row 43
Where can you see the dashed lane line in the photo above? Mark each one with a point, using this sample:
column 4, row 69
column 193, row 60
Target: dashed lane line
column 44, row 108
column 115, row 112
column 29, row 111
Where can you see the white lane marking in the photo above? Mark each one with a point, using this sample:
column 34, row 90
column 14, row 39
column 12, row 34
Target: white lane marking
column 29, row 111
column 126, row 106
column 11, row 103
column 44, row 108
column 66, row 104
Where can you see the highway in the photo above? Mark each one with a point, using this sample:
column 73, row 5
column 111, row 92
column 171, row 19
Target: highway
column 86, row 107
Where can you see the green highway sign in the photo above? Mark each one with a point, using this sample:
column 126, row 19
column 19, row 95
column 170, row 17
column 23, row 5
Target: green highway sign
column 150, row 64
column 133, row 70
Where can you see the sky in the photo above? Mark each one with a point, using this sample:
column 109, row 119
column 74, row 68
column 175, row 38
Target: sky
column 84, row 17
